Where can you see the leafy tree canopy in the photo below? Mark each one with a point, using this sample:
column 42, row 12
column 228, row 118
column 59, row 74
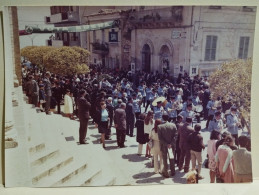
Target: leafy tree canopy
column 63, row 60
column 233, row 81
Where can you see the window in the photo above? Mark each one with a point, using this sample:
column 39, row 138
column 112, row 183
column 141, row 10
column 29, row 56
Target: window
column 73, row 36
column 194, row 70
column 211, row 46
column 243, row 47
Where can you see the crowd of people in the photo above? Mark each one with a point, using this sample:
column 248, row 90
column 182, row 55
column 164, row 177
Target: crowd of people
column 162, row 112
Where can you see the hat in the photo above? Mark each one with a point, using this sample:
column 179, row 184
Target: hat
column 109, row 98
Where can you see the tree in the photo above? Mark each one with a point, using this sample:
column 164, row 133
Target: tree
column 35, row 54
column 232, row 81
column 27, row 52
column 67, row 60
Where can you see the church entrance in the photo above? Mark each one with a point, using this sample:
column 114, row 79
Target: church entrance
column 146, row 58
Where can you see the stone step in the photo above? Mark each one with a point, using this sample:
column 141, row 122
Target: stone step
column 103, row 180
column 36, row 147
column 86, row 176
column 63, row 175
column 49, row 168
column 43, row 156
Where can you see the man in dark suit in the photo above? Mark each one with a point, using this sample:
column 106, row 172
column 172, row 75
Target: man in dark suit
column 83, row 114
column 34, row 91
column 57, row 93
column 185, row 131
column 167, row 134
column 48, row 93
column 120, row 124
column 130, row 120
column 110, row 109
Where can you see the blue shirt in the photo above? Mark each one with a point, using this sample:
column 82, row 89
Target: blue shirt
column 148, row 92
column 141, row 90
column 173, row 113
column 136, row 105
column 160, row 91
column 158, row 113
column 104, row 115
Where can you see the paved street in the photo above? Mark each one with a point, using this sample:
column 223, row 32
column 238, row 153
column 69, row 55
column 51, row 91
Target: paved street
column 134, row 169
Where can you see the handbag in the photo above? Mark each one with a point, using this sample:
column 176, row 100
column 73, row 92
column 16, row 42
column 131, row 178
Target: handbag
column 150, row 143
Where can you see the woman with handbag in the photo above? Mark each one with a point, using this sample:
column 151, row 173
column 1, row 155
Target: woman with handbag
column 211, row 151
column 224, row 161
column 102, row 120
column 148, row 126
column 155, row 150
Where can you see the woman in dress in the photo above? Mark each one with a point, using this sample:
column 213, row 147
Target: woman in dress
column 148, row 126
column 224, row 160
column 102, row 119
column 155, row 150
column 68, row 104
column 211, row 151
column 141, row 139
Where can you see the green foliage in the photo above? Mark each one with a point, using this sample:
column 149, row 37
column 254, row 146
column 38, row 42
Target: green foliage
column 27, row 52
column 63, row 60
column 233, row 80
column 67, row 60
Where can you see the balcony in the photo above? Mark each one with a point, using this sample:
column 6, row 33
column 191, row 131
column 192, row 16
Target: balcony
column 100, row 48
column 61, row 18
column 157, row 18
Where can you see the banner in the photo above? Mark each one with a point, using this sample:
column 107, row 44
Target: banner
column 81, row 28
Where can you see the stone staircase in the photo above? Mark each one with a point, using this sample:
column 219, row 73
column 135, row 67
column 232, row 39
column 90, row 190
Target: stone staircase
column 55, row 162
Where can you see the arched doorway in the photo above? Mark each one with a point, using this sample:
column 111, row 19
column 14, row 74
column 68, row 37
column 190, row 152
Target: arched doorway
column 146, row 58
column 165, row 58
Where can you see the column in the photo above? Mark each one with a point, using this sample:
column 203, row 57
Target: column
column 10, row 131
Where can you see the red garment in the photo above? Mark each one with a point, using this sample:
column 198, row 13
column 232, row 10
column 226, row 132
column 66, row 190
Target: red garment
column 223, row 152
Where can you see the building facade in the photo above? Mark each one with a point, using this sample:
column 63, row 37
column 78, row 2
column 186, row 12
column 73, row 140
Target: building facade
column 173, row 39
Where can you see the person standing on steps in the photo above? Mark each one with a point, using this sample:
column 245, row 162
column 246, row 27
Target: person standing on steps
column 83, row 114
column 120, row 124
column 130, row 117
column 48, row 92
column 102, row 119
column 167, row 134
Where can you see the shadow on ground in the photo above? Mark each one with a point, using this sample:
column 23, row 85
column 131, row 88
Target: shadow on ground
column 97, row 136
column 146, row 178
column 133, row 146
column 133, row 157
column 179, row 177
column 111, row 148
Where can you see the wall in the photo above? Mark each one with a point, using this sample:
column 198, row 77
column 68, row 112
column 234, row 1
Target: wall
column 25, row 18
column 228, row 24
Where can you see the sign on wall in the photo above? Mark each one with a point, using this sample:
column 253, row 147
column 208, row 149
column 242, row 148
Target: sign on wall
column 176, row 34
column 113, row 36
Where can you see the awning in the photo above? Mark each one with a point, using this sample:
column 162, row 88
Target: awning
column 81, row 28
